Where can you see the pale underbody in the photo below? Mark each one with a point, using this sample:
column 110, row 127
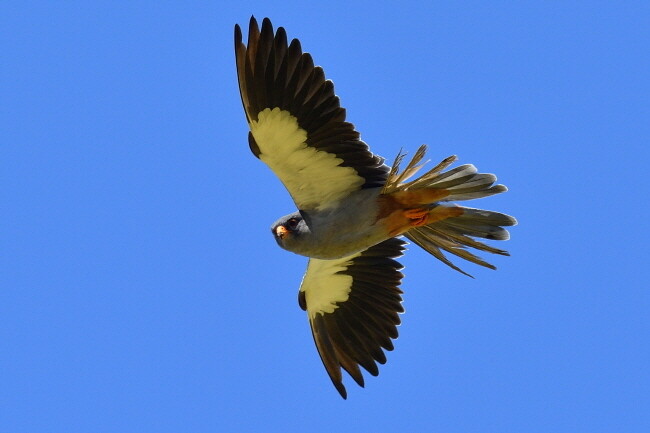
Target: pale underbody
column 345, row 229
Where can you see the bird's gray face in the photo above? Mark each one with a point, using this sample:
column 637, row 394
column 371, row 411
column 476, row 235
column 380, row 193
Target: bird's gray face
column 290, row 230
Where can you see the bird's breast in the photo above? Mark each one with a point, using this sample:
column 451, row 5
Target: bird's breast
column 346, row 229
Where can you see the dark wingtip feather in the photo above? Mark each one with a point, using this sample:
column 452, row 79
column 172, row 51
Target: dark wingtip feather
column 238, row 35
column 341, row 389
column 267, row 28
column 253, row 31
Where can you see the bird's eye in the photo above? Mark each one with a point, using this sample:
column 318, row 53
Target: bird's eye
column 292, row 223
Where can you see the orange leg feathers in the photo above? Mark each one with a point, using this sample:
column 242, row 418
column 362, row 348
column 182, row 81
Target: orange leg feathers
column 404, row 210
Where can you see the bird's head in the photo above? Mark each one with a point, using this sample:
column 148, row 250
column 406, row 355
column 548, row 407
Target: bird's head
column 290, row 230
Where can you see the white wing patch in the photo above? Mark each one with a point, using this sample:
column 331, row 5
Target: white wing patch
column 325, row 286
column 314, row 178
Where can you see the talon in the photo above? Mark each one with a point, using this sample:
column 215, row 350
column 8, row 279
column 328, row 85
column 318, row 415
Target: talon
column 418, row 217
column 420, row 222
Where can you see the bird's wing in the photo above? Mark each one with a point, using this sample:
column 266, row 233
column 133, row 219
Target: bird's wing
column 353, row 304
column 297, row 126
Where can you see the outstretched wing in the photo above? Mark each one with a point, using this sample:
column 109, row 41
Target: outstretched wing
column 297, row 126
column 353, row 305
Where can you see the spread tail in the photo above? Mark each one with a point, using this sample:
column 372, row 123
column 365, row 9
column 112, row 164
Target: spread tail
column 456, row 233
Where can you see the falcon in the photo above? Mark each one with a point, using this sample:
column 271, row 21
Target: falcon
column 353, row 210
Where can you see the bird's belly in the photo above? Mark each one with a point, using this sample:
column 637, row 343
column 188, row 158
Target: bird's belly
column 347, row 235
column 336, row 250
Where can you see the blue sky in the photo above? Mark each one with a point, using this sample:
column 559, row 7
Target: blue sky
column 140, row 289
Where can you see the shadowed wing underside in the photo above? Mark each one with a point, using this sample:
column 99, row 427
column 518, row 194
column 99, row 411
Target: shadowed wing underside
column 298, row 127
column 353, row 305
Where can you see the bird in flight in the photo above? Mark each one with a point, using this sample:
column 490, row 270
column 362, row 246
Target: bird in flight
column 353, row 210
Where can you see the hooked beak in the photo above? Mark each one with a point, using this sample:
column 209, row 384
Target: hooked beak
column 281, row 232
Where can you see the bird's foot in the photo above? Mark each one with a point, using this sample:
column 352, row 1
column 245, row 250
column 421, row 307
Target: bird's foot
column 421, row 217
column 417, row 217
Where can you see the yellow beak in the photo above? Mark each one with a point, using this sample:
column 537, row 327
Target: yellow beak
column 281, row 232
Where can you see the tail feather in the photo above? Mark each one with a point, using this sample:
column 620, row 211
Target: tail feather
column 479, row 223
column 463, row 182
column 432, row 242
column 455, row 234
column 480, row 192
column 462, row 239
column 432, row 246
column 454, row 177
